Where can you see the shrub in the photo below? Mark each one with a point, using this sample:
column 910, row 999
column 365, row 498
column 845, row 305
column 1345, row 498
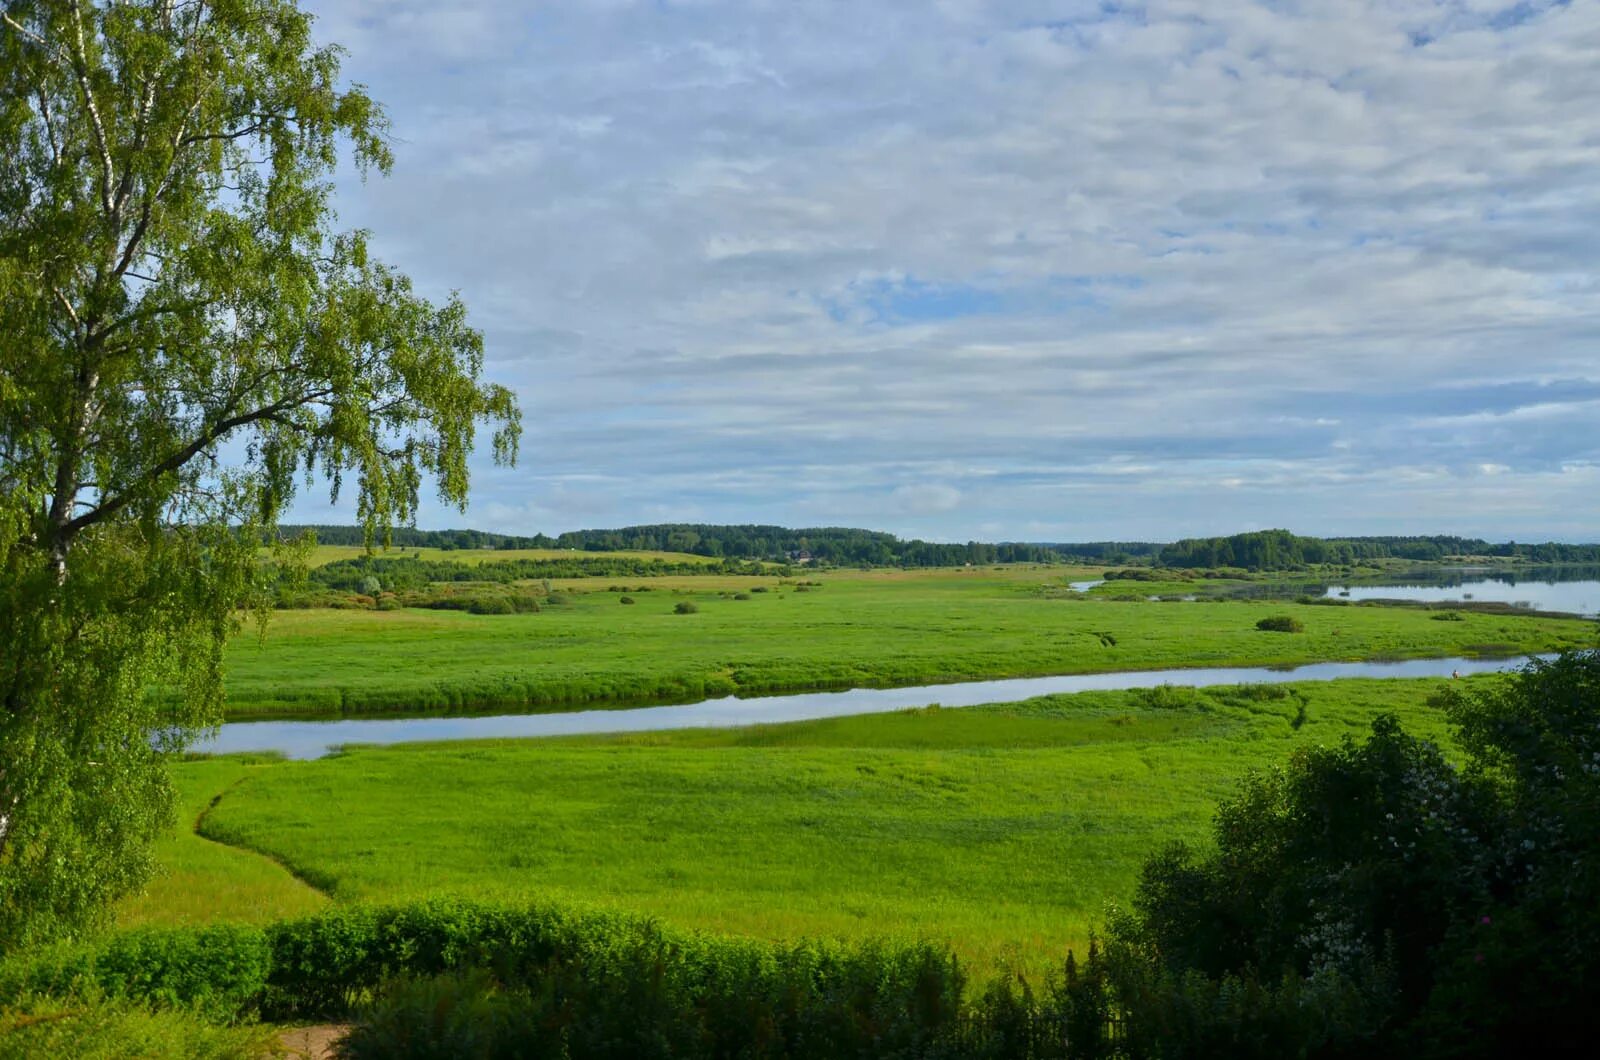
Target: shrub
column 1167, row 697
column 1447, row 616
column 1259, row 692
column 218, row 972
column 741, row 596
column 684, row 607
column 97, row 1028
column 644, row 993
column 626, row 600
column 1281, row 624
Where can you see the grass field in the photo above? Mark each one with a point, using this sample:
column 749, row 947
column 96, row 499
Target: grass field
column 1003, row 829
column 202, row 881
column 854, row 629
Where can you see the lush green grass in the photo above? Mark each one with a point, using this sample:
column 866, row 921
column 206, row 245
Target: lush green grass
column 856, row 629
column 201, row 881
column 1003, row 829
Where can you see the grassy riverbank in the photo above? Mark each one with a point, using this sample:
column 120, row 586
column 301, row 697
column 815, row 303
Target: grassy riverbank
column 1003, row 830
column 877, row 628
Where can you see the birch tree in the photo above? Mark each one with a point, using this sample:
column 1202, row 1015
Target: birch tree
column 186, row 338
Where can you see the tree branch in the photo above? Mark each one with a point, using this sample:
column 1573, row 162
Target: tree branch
column 173, row 462
column 27, row 34
column 81, row 68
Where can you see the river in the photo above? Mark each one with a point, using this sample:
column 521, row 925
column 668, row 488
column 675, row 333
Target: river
column 313, row 739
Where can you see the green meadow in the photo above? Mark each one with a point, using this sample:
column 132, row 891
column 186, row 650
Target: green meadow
column 1003, row 830
column 752, row 635
column 202, row 881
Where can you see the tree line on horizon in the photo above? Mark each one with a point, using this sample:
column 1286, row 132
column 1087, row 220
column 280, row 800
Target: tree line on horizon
column 845, row 546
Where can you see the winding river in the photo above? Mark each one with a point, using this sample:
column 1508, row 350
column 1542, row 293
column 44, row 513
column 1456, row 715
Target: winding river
column 313, row 739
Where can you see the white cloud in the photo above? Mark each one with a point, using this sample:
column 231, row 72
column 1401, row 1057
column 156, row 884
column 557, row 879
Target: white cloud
column 761, row 261
column 926, row 499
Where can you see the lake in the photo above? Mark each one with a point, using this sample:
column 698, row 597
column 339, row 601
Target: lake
column 313, row 739
column 1576, row 595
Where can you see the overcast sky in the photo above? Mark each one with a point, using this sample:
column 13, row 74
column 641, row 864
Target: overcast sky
column 1011, row 270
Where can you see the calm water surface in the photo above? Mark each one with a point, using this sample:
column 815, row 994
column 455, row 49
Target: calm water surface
column 313, row 739
column 1580, row 596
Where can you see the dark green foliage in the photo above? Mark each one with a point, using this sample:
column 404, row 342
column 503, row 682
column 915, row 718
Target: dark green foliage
column 462, row 1016
column 685, row 607
column 625, row 600
column 1529, row 967
column 1374, row 900
column 1281, row 624
column 649, row 998
column 482, row 602
column 1447, row 616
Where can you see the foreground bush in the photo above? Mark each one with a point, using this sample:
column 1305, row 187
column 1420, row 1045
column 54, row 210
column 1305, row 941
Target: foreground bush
column 1281, row 624
column 98, row 1029
column 604, row 985
column 1375, row 900
column 217, row 972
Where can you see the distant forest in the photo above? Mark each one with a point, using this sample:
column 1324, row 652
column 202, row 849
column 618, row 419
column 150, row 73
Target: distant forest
column 838, row 546
column 844, row 546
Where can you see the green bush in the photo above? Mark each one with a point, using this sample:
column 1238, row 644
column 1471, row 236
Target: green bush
column 647, row 994
column 626, row 600
column 741, row 596
column 685, row 607
column 1281, row 624
column 97, row 1028
column 219, row 972
column 1168, row 697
